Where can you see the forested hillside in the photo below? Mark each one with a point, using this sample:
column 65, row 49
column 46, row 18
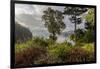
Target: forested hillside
column 22, row 33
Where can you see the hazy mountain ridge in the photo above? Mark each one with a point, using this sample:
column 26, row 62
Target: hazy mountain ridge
column 22, row 33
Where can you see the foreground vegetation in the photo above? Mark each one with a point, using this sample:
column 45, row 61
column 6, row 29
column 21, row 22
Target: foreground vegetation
column 46, row 51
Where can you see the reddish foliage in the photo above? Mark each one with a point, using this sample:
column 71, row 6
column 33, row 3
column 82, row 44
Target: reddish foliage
column 28, row 56
column 79, row 55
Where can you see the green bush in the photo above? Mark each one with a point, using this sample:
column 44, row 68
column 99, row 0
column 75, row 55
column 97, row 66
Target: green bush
column 20, row 47
column 40, row 42
column 89, row 47
column 57, row 53
column 62, row 53
column 89, row 37
column 50, row 41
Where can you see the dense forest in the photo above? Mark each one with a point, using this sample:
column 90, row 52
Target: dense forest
column 31, row 51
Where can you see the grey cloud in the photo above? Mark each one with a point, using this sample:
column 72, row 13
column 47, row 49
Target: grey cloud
column 31, row 15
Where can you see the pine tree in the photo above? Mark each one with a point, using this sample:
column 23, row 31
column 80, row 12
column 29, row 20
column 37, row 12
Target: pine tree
column 74, row 13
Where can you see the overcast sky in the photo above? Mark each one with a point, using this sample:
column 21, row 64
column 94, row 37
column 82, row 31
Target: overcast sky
column 30, row 15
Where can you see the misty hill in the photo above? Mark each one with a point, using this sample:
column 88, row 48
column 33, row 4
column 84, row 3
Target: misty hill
column 22, row 33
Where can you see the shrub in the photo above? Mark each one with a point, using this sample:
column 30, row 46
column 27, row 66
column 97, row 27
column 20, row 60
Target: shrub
column 28, row 56
column 78, row 54
column 50, row 41
column 89, row 47
column 45, row 51
column 20, row 47
column 89, row 36
column 63, row 53
column 40, row 42
column 57, row 53
column 79, row 44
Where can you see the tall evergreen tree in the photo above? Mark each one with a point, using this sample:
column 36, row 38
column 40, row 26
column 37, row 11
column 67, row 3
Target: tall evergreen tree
column 74, row 13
